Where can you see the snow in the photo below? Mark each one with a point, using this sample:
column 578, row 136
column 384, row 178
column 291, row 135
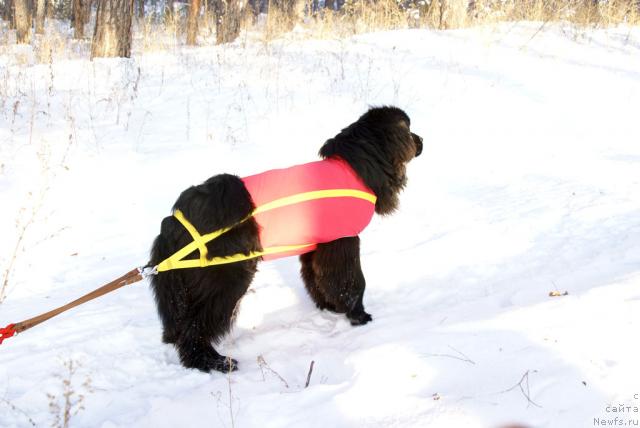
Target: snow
column 528, row 184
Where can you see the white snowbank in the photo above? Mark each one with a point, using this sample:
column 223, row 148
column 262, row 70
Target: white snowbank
column 529, row 183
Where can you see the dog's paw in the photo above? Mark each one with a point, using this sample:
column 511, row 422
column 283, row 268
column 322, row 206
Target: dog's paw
column 359, row 318
column 207, row 362
column 224, row 365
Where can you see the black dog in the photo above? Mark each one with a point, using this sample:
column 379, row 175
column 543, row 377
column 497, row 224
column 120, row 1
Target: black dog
column 197, row 305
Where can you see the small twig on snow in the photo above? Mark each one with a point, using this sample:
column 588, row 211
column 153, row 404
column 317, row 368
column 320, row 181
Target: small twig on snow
column 309, row 374
column 524, row 380
column 463, row 358
column 16, row 409
column 263, row 365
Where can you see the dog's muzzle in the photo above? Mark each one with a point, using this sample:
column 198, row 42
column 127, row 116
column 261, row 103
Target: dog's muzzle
column 418, row 142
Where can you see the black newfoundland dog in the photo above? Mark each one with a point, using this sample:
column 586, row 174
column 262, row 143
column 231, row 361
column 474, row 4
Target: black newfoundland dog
column 196, row 306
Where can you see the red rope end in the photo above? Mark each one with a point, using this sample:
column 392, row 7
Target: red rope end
column 7, row 332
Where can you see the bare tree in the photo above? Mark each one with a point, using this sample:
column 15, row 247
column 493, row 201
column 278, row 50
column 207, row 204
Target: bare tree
column 6, row 8
column 112, row 34
column 88, row 4
column 22, row 18
column 31, row 10
column 192, row 22
column 443, row 22
column 80, row 17
column 228, row 18
column 261, row 6
column 40, row 13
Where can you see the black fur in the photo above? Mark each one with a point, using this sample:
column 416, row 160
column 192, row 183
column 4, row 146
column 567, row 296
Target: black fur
column 197, row 306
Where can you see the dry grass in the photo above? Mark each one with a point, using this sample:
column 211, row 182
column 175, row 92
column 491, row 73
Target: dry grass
column 53, row 45
column 579, row 12
column 361, row 16
column 280, row 20
column 67, row 403
column 159, row 35
column 167, row 32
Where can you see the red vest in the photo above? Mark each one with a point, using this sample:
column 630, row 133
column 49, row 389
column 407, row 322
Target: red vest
column 323, row 218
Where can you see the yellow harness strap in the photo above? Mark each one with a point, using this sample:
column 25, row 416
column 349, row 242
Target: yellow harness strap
column 197, row 238
column 200, row 241
column 316, row 194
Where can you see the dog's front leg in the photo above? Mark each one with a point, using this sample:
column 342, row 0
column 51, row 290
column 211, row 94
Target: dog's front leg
column 338, row 276
column 309, row 278
column 357, row 314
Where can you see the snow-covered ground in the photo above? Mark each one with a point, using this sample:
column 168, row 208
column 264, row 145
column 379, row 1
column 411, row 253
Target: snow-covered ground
column 529, row 183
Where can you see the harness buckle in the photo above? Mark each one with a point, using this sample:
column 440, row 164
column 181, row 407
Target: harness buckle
column 147, row 271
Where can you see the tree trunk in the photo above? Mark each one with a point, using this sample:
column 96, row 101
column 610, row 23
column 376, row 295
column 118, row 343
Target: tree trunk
column 7, row 12
column 140, row 9
column 31, row 11
column 87, row 10
column 40, row 13
column 112, row 34
column 256, row 6
column 228, row 15
column 21, row 16
column 192, row 22
column 79, row 18
column 442, row 22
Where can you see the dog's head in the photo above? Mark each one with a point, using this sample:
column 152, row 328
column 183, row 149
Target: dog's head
column 378, row 146
column 392, row 126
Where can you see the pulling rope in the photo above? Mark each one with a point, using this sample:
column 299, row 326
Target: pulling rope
column 130, row 277
column 199, row 242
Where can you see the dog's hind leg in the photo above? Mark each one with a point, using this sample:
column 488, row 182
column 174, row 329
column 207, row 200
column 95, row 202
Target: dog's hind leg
column 195, row 350
column 214, row 294
column 338, row 278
